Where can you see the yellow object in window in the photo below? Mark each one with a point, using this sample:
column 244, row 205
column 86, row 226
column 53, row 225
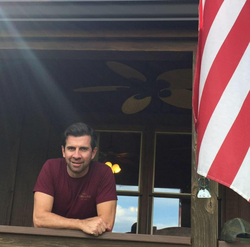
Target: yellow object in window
column 115, row 168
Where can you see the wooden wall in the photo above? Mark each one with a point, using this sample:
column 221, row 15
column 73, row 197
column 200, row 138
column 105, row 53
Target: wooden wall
column 11, row 119
column 233, row 206
column 34, row 110
column 26, row 141
column 30, row 132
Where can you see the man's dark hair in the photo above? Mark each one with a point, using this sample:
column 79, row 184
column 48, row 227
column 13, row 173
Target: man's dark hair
column 80, row 129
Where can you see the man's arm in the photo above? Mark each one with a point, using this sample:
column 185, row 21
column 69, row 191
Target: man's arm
column 107, row 210
column 43, row 217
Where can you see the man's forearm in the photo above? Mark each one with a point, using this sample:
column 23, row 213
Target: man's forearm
column 94, row 226
column 51, row 220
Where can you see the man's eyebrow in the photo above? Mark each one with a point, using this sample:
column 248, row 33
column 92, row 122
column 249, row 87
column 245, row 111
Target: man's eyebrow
column 70, row 147
column 85, row 147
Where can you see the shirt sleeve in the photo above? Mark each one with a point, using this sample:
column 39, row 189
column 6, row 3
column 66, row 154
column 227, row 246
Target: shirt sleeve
column 107, row 187
column 44, row 182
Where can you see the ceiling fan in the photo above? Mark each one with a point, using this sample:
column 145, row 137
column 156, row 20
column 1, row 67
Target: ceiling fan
column 172, row 87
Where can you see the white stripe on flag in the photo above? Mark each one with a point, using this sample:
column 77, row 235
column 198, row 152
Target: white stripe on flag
column 239, row 184
column 203, row 4
column 217, row 34
column 225, row 114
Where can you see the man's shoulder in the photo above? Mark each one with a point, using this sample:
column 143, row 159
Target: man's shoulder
column 101, row 167
column 55, row 163
column 98, row 164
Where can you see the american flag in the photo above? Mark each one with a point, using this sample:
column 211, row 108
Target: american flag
column 221, row 98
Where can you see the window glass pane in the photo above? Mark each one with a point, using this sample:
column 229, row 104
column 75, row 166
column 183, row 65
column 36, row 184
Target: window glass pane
column 126, row 187
column 126, row 214
column 171, row 212
column 122, row 148
column 173, row 163
column 166, row 212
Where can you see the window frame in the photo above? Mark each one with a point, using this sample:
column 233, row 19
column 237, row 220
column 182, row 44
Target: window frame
column 169, row 195
column 145, row 191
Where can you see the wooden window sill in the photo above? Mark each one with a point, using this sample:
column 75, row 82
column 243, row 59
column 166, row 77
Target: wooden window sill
column 14, row 236
column 225, row 244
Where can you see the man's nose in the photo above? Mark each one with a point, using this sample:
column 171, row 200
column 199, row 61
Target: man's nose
column 76, row 154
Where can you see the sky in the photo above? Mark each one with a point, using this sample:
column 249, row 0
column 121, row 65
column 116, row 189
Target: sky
column 165, row 213
column 126, row 213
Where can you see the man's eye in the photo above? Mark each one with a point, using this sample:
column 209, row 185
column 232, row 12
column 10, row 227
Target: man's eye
column 70, row 148
column 83, row 149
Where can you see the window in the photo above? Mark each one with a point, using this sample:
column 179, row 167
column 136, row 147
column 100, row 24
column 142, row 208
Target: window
column 124, row 149
column 172, row 180
column 164, row 183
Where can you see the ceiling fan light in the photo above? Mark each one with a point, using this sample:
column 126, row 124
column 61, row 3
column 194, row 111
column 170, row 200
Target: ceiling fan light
column 108, row 164
column 116, row 168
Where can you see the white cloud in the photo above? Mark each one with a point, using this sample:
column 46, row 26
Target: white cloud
column 166, row 214
column 125, row 218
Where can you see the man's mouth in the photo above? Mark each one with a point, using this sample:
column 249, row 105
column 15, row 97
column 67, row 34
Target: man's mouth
column 76, row 163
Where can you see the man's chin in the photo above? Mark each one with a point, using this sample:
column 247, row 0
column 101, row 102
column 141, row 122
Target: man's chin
column 77, row 168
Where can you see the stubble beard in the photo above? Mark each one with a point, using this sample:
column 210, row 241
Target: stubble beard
column 84, row 166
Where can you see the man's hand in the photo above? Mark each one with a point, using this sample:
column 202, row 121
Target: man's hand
column 94, row 226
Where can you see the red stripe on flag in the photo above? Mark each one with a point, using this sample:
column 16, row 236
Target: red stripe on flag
column 206, row 21
column 223, row 68
column 200, row 15
column 234, row 148
column 210, row 12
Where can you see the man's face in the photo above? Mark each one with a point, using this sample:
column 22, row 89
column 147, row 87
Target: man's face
column 78, row 155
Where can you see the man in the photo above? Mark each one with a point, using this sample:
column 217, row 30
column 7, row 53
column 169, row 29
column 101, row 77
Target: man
column 76, row 192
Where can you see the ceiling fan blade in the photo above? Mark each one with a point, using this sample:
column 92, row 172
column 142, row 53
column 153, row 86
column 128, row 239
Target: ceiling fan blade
column 178, row 79
column 133, row 105
column 99, row 89
column 180, row 98
column 126, row 71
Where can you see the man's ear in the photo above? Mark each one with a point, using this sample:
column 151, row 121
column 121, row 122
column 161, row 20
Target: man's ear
column 94, row 153
column 63, row 151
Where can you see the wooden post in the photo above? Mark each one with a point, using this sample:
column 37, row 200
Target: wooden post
column 204, row 212
column 146, row 186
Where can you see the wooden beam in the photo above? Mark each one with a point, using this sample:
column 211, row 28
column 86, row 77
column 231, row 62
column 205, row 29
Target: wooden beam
column 97, row 45
column 39, row 237
column 147, row 159
column 225, row 244
column 127, row 33
column 102, row 10
column 204, row 212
